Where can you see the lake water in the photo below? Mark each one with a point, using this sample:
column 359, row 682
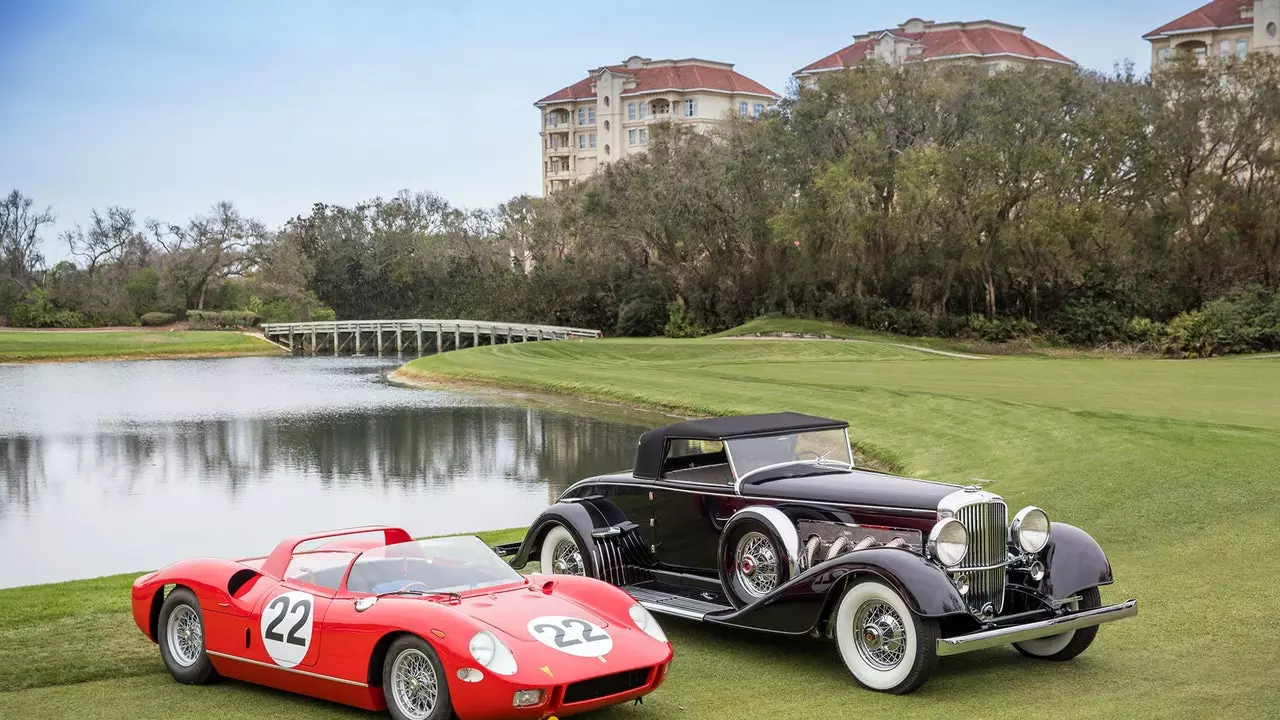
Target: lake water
column 124, row 466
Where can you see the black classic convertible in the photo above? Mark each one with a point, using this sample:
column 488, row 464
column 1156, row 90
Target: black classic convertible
column 762, row 522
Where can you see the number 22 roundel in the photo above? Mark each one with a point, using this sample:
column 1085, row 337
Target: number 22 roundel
column 286, row 627
column 571, row 635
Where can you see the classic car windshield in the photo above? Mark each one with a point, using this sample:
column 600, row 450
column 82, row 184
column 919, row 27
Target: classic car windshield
column 439, row 565
column 802, row 453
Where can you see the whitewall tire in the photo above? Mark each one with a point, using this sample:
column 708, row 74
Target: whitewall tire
column 1068, row 644
column 886, row 647
column 561, row 554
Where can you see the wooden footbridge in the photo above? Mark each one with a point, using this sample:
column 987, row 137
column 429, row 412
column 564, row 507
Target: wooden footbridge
column 411, row 337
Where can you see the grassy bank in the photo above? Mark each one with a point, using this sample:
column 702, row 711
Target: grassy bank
column 1171, row 465
column 54, row 345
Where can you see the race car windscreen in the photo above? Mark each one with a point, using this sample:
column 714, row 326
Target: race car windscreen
column 439, row 565
column 791, row 455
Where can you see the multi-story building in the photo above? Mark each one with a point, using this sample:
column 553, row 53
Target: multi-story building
column 992, row 44
column 608, row 115
column 1224, row 29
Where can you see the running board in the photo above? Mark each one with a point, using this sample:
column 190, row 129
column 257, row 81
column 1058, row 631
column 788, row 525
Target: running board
column 676, row 601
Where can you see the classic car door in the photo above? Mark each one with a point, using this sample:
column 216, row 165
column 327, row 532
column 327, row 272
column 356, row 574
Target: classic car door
column 289, row 621
column 692, row 499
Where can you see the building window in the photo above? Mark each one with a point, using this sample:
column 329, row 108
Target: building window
column 591, row 116
column 606, row 101
column 1164, row 55
column 690, row 108
column 631, row 111
column 1224, row 49
column 582, row 116
column 1242, row 48
column 1271, row 29
column 631, row 137
column 644, row 107
column 591, row 141
column 742, row 109
column 757, row 110
column 1200, row 54
column 582, row 141
column 644, row 136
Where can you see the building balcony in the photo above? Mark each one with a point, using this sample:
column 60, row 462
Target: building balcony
column 559, row 173
column 559, row 149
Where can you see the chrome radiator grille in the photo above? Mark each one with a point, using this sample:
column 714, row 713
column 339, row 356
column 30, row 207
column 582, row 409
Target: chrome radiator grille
column 987, row 523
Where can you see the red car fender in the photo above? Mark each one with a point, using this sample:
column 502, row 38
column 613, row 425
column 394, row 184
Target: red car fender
column 213, row 582
column 608, row 601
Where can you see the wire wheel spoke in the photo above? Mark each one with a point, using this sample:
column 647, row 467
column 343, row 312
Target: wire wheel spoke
column 568, row 561
column 756, row 564
column 880, row 635
column 185, row 636
column 414, row 684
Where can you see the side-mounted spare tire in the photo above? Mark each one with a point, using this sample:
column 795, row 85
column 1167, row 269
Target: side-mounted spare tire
column 759, row 552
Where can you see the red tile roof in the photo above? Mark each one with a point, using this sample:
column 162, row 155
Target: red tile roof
column 961, row 40
column 716, row 78
column 1217, row 14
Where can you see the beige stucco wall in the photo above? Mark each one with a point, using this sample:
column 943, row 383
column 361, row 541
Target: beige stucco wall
column 612, row 124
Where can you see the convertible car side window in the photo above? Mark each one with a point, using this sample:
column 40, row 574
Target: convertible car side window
column 699, row 461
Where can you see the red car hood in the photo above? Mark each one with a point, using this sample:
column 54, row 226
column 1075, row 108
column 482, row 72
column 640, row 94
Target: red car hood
column 511, row 611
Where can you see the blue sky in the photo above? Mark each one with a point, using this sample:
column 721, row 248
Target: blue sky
column 167, row 106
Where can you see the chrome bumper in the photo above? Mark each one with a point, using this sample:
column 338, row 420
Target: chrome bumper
column 1043, row 628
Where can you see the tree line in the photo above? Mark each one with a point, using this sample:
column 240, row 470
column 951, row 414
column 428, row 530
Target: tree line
column 1090, row 208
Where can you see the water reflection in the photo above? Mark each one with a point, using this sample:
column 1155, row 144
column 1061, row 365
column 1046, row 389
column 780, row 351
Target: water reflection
column 125, row 481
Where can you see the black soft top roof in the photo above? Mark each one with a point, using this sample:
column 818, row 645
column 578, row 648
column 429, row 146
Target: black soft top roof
column 653, row 444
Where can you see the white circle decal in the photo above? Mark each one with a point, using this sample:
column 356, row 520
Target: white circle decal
column 571, row 635
column 286, row 627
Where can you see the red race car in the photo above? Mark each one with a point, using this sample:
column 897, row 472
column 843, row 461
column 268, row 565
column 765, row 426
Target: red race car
column 372, row 618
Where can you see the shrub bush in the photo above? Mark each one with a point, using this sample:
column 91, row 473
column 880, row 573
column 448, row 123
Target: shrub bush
column 643, row 312
column 221, row 320
column 158, row 319
column 997, row 329
column 678, row 324
column 1091, row 322
column 36, row 310
column 323, row 314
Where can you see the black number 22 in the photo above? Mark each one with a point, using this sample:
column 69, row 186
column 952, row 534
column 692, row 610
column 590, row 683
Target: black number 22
column 282, row 602
column 561, row 639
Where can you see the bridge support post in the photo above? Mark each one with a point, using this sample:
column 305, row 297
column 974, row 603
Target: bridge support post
column 313, row 341
column 379, row 339
column 419, row 332
column 457, row 337
column 335, row 341
column 399, row 344
column 439, row 341
column 475, row 336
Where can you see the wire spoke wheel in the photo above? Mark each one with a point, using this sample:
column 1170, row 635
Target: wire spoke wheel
column 568, row 559
column 414, row 684
column 756, row 562
column 185, row 635
column 880, row 635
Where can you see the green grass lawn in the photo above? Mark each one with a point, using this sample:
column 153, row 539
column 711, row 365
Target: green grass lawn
column 1171, row 465
column 28, row 345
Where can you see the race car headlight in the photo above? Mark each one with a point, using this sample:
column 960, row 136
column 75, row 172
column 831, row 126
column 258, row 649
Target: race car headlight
column 646, row 622
column 489, row 651
column 1030, row 529
column 948, row 542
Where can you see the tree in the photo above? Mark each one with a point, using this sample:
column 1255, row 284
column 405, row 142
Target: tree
column 20, row 257
column 208, row 249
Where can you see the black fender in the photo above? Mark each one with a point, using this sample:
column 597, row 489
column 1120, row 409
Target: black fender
column 1073, row 562
column 608, row 540
column 801, row 605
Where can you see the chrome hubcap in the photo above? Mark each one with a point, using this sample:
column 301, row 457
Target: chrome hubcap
column 413, row 683
column 882, row 640
column 186, row 637
column 568, row 561
column 757, row 563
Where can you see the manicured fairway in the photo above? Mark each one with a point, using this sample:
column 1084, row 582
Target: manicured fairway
column 30, row 345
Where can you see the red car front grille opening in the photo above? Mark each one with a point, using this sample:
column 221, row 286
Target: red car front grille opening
column 606, row 685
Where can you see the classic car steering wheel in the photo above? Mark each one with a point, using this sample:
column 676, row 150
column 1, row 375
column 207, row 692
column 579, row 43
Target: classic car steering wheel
column 421, row 586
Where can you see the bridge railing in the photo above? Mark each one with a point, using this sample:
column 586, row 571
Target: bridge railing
column 429, row 325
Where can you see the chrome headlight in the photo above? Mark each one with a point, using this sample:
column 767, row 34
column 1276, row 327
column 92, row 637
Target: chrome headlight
column 646, row 622
column 489, row 651
column 948, row 542
column 1030, row 529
